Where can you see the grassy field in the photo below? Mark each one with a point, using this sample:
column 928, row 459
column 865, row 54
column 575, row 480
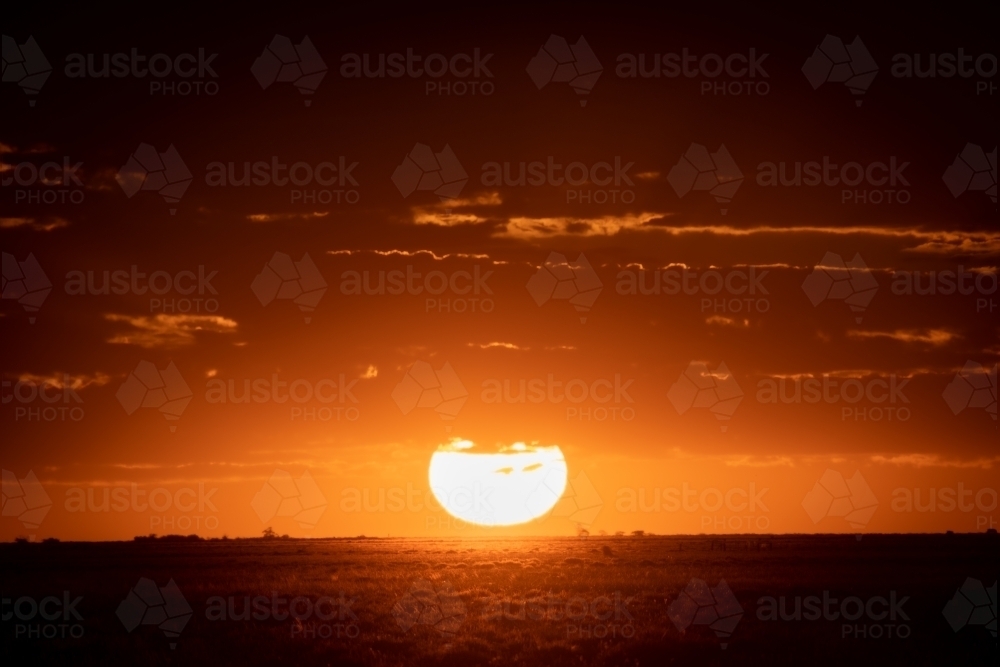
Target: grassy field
column 545, row 602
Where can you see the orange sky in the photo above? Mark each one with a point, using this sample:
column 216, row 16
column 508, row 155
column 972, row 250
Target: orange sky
column 735, row 310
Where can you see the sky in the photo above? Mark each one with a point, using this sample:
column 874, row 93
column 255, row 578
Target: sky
column 714, row 344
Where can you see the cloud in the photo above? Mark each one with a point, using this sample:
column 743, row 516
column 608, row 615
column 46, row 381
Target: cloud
column 446, row 219
column 167, row 331
column 935, row 337
column 43, row 225
column 777, row 265
column 103, row 180
column 414, row 253
column 65, row 380
column 274, row 217
column 35, row 149
column 934, row 461
column 751, row 461
column 488, row 199
column 858, row 374
column 727, row 321
column 936, row 242
column 533, row 228
column 971, row 244
column 505, row 346
column 446, row 213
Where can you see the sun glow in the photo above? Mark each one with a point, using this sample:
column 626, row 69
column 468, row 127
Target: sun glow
column 513, row 485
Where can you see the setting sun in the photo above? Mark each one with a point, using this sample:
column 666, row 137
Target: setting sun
column 512, row 485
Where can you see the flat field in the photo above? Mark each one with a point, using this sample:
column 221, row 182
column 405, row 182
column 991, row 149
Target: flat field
column 786, row 600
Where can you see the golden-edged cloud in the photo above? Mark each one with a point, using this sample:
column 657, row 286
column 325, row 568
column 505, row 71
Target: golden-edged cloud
column 935, row 337
column 66, row 380
column 534, row 228
column 497, row 344
column 928, row 241
column 167, row 331
column 415, row 253
column 452, row 212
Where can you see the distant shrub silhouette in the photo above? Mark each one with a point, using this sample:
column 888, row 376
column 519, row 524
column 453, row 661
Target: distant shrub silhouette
column 153, row 537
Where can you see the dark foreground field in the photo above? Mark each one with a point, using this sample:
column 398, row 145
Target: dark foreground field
column 561, row 601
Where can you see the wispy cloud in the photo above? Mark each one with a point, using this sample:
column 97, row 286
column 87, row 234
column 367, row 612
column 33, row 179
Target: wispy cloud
column 38, row 225
column 167, row 331
column 534, row 228
column 34, row 149
column 416, row 253
column 505, row 346
column 275, row 217
column 721, row 320
column 935, row 461
column 443, row 219
column 66, row 380
column 451, row 212
column 858, row 373
column 103, row 180
column 751, row 461
column 935, row 337
column 928, row 241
